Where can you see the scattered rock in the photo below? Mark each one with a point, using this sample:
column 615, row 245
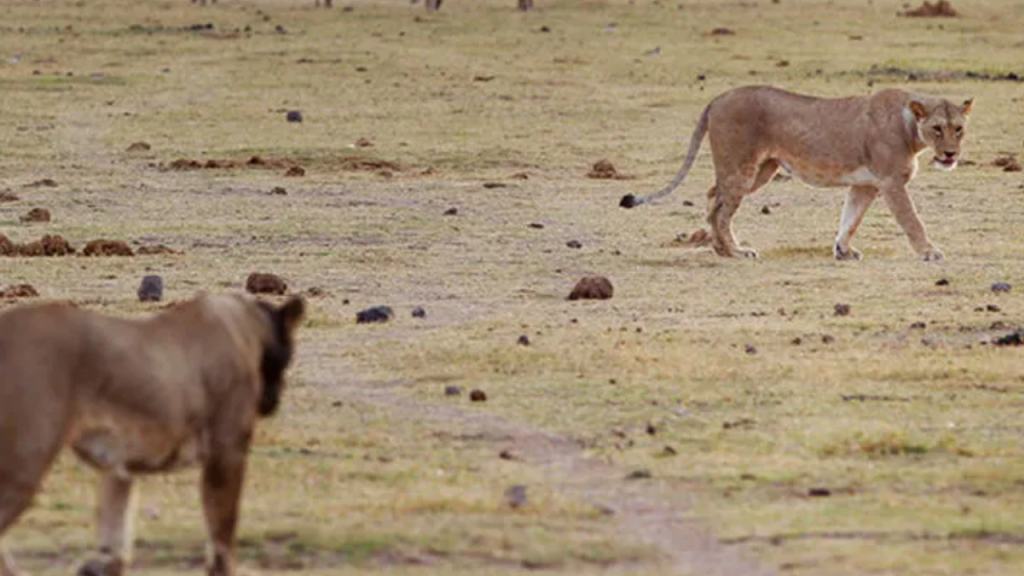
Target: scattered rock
column 139, row 147
column 293, row 116
column 315, row 292
column 490, row 185
column 750, row 349
column 363, row 143
column 536, row 225
column 668, row 451
column 520, row 176
column 651, row 429
column 592, row 288
column 507, row 455
column 278, row 191
column 19, row 291
column 639, row 475
column 8, row 196
column 605, row 170
column 151, row 289
column 942, row 282
column 477, row 395
column 36, row 215
column 516, row 495
column 942, row 8
column 295, row 171
column 766, row 209
column 45, row 182
column 697, row 239
column 453, row 211
column 992, row 308
column 842, row 309
column 997, row 325
column 182, row 164
column 419, row 312
column 104, row 247
column 265, row 283
column 153, row 249
column 796, row 341
column 1008, row 163
column 1011, row 339
column 723, row 32
column 1001, row 287
column 452, row 391
column 574, row 244
column 819, row 492
column 827, row 339
column 918, row 326
column 523, row 340
column 375, row 314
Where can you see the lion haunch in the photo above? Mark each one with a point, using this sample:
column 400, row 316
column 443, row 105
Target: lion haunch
column 867, row 143
column 131, row 397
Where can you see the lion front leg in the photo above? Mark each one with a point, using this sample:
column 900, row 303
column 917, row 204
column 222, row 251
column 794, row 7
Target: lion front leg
column 223, row 476
column 115, row 516
column 902, row 207
column 858, row 200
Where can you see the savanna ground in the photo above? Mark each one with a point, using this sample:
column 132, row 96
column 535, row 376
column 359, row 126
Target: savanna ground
column 709, row 397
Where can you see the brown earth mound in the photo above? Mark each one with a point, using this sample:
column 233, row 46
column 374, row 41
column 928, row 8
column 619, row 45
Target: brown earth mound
column 8, row 196
column 265, row 283
column 592, row 288
column 48, row 245
column 1008, row 163
column 104, row 247
column 19, row 291
column 942, row 8
column 155, row 249
column 36, row 215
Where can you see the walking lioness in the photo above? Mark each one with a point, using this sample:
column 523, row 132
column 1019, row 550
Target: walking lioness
column 135, row 397
column 869, row 143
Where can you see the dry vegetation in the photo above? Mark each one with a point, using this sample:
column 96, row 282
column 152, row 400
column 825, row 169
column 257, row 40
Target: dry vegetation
column 884, row 441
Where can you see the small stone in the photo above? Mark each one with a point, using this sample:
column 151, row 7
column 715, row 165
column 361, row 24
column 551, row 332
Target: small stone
column 603, row 170
column 516, row 495
column 293, row 116
column 750, row 349
column 151, row 289
column 796, row 341
column 477, row 395
column 265, row 283
column 363, row 143
column 827, row 339
column 19, row 291
column 278, row 191
column 687, row 202
column 992, row 308
column 295, row 172
column 592, row 288
column 375, row 314
column 419, row 312
column 639, row 475
column 942, row 282
column 506, row 455
column 574, row 244
column 104, row 247
column 452, row 391
column 523, row 340
column 651, row 429
column 819, row 492
column 669, row 451
column 139, row 147
column 842, row 309
column 45, row 182
column 537, row 225
column 1001, row 287
column 451, row 211
column 917, row 326
column 766, row 209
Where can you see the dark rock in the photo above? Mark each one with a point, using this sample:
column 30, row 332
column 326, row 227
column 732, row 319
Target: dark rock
column 36, row 215
column 766, row 209
column 278, row 191
column 293, row 116
column 574, row 244
column 451, row 211
column 452, row 391
column 477, row 395
column 750, row 349
column 506, row 455
column 104, row 247
column 523, row 340
column 942, row 282
column 516, row 495
column 819, row 492
column 827, row 339
column 917, row 326
column 536, row 225
column 1011, row 339
column 992, row 308
column 419, row 312
column 151, row 289
column 842, row 309
column 639, row 475
column 1001, row 287
column 19, row 291
column 375, row 314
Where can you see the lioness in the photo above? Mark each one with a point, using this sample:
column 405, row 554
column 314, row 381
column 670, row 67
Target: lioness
column 135, row 397
column 869, row 143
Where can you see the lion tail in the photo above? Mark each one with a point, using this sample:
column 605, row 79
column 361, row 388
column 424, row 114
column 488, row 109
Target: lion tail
column 629, row 200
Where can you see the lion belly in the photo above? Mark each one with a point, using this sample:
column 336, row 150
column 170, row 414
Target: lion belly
column 128, row 448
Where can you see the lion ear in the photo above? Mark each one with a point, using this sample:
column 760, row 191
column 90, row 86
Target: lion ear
column 292, row 312
column 918, row 109
column 966, row 108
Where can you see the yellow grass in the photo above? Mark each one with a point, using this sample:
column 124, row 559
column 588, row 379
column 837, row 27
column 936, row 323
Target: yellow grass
column 912, row 436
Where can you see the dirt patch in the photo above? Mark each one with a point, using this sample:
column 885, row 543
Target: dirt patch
column 48, row 245
column 265, row 283
column 604, row 170
column 8, row 196
column 940, row 9
column 723, row 32
column 139, row 147
column 44, row 183
column 1008, row 163
column 697, row 239
column 150, row 250
column 295, row 171
column 188, row 164
column 941, row 75
column 19, row 291
column 36, row 215
column 104, row 247
column 592, row 288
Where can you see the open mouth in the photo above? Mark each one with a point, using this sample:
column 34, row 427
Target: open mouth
column 945, row 161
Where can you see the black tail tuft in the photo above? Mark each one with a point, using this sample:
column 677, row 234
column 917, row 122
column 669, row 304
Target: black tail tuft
column 628, row 201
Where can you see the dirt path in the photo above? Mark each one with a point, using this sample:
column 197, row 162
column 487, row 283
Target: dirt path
column 648, row 512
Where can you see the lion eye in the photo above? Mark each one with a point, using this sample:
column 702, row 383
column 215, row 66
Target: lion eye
column 937, row 130
column 959, row 129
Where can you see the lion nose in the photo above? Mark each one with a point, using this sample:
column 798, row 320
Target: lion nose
column 950, row 155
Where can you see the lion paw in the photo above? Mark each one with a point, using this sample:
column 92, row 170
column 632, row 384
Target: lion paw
column 849, row 254
column 98, row 567
column 932, row 255
column 746, row 253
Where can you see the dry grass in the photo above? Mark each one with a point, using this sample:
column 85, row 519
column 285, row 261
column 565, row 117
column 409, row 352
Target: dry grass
column 909, row 438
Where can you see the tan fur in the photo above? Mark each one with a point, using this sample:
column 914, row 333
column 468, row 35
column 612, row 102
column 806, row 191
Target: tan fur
column 133, row 397
column 868, row 143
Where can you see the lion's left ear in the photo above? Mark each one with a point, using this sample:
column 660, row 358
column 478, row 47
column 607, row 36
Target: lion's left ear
column 918, row 110
column 966, row 108
column 291, row 313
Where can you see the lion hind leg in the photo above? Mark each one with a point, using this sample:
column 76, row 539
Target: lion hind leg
column 15, row 498
column 724, row 200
